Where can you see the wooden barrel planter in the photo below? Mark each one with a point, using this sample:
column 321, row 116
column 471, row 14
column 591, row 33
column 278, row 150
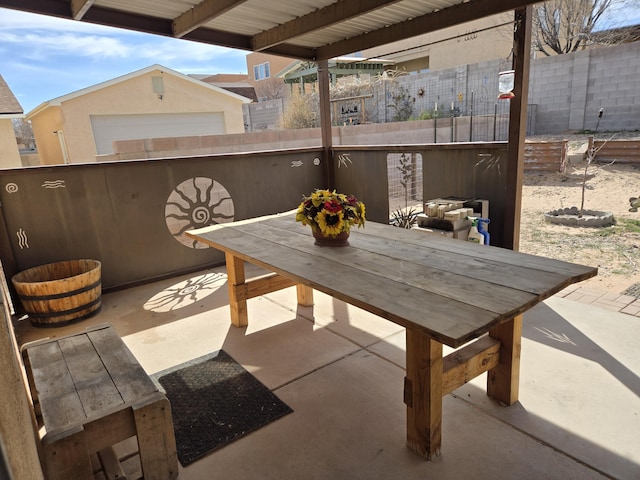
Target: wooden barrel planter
column 60, row 293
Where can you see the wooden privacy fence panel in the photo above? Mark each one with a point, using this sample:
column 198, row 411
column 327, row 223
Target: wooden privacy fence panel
column 619, row 151
column 130, row 215
column 545, row 156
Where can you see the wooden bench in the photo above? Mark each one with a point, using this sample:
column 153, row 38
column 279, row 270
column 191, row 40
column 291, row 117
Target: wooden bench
column 91, row 393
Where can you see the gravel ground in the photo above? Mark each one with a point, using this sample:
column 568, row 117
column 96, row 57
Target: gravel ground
column 615, row 250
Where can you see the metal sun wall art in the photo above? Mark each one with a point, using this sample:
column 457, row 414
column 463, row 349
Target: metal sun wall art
column 344, row 160
column 195, row 203
column 11, row 187
column 54, row 184
column 23, row 239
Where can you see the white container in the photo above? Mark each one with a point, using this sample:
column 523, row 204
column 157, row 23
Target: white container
column 475, row 236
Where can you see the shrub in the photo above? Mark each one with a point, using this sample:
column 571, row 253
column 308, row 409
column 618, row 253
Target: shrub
column 301, row 112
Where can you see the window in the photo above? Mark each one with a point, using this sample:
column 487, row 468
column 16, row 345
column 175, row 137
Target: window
column 261, row 71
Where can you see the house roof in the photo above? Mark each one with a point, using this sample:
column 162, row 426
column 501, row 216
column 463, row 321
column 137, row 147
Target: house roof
column 114, row 81
column 309, row 29
column 233, row 82
column 9, row 105
column 615, row 36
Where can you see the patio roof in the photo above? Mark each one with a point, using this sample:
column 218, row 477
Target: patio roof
column 311, row 29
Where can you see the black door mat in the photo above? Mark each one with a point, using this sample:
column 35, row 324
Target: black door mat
column 215, row 401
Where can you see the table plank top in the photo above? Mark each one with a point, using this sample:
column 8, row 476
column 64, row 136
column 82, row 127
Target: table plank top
column 452, row 290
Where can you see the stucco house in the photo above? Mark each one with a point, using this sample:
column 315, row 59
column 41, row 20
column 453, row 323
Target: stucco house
column 10, row 108
column 154, row 102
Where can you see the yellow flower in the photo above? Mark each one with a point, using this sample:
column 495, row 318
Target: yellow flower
column 302, row 218
column 330, row 223
column 330, row 212
column 319, row 196
column 362, row 215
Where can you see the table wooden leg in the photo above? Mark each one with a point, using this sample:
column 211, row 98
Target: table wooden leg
column 423, row 394
column 235, row 278
column 503, row 380
column 305, row 295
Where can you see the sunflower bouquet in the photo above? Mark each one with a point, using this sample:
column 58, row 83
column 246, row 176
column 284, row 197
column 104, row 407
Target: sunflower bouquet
column 331, row 213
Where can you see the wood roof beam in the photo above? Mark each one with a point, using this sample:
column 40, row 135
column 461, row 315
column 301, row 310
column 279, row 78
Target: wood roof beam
column 80, row 7
column 200, row 14
column 324, row 17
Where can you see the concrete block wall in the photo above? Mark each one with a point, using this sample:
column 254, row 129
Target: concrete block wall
column 614, row 85
column 569, row 90
column 550, row 83
column 566, row 92
column 263, row 115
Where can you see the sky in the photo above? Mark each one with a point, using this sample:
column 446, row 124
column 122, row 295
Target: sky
column 43, row 57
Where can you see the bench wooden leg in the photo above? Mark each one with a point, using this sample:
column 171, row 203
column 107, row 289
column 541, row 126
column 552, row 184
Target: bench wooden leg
column 237, row 302
column 66, row 456
column 423, row 394
column 503, row 380
column 110, row 464
column 156, row 440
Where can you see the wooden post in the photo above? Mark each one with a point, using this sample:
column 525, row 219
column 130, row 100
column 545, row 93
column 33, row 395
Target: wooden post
column 423, row 394
column 517, row 128
column 504, row 379
column 325, row 123
column 235, row 278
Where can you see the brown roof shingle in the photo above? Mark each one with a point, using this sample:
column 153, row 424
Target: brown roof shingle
column 8, row 102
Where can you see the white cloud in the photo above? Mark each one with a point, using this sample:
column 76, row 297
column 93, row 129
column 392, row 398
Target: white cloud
column 40, row 35
column 72, row 55
column 37, row 46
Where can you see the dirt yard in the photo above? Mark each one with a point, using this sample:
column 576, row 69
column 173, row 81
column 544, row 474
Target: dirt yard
column 615, row 250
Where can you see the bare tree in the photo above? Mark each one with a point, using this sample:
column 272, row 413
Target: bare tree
column 564, row 26
column 23, row 132
column 272, row 88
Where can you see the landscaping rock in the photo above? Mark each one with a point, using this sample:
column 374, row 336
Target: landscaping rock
column 571, row 217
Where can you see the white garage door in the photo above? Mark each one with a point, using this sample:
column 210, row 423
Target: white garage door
column 108, row 128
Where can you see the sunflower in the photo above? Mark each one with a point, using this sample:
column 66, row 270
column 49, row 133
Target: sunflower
column 330, row 212
column 330, row 223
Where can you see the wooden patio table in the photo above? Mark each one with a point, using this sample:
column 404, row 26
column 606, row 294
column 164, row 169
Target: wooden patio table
column 443, row 291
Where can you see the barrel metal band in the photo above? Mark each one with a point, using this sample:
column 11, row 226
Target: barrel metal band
column 66, row 312
column 54, row 296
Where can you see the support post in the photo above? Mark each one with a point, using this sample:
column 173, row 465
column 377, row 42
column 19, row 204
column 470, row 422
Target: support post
column 325, row 124
column 423, row 394
column 503, row 380
column 517, row 127
column 236, row 277
column 305, row 295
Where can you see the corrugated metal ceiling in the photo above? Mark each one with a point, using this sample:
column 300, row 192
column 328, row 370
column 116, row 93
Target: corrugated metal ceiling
column 306, row 29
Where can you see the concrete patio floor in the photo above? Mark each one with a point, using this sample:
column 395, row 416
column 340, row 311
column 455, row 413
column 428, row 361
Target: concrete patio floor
column 341, row 370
